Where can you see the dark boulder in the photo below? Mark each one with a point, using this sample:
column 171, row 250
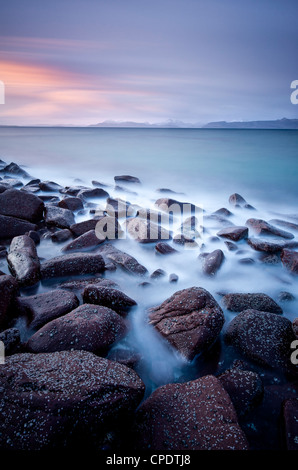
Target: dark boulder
column 126, row 179
column 164, row 248
column 144, row 231
column 196, row 415
column 108, row 297
column 258, row 301
column 11, row 339
column 15, row 169
column 263, row 337
column 15, row 203
column 83, row 227
column 71, row 203
column 237, row 200
column 290, row 416
column 8, row 292
column 244, row 387
column 49, row 186
column 85, row 242
column 126, row 261
column 267, row 246
column 89, row 327
column 234, row 233
column 71, row 265
column 61, row 235
column 212, row 262
column 23, row 260
column 92, row 193
column 53, row 400
column 43, row 308
column 190, row 320
column 58, row 217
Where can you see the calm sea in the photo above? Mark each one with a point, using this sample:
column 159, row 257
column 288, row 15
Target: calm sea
column 207, row 165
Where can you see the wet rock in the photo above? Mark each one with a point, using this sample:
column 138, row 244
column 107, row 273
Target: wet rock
column 223, row 212
column 237, row 200
column 12, row 182
column 12, row 341
column 261, row 227
column 246, row 261
column 285, row 296
column 71, row 265
column 83, row 227
column 119, row 208
column 58, row 217
column 144, row 231
column 61, row 235
column 289, row 259
column 258, row 301
column 157, row 274
column 177, row 208
column 23, row 260
column 85, row 242
column 15, row 203
column 244, row 387
column 49, row 186
column 164, row 248
column 99, row 184
column 8, row 289
column 267, row 246
column 233, row 233
column 42, row 308
column 126, row 357
column 190, row 320
column 92, row 193
column 231, row 246
column 173, row 277
column 108, row 228
column 196, row 415
column 290, row 416
column 212, row 262
column 126, row 179
column 108, row 297
column 263, row 337
column 72, row 190
column 79, row 285
column 48, row 400
column 89, row 327
column 126, row 261
column 15, row 169
column 71, row 203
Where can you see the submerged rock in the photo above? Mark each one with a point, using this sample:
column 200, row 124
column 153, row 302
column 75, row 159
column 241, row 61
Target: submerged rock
column 48, row 400
column 15, row 169
column 190, row 320
column 237, row 200
column 164, row 248
column 144, row 231
column 260, row 244
column 196, row 415
column 15, row 203
column 71, row 265
column 23, row 260
column 89, row 327
column 240, row 302
column 42, row 308
column 127, row 179
column 263, row 337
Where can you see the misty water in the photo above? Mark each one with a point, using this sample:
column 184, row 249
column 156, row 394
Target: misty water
column 203, row 167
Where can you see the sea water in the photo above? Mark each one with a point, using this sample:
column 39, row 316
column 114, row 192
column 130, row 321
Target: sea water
column 203, row 166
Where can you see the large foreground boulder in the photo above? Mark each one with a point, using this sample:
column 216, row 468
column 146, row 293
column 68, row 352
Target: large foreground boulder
column 22, row 205
column 49, row 399
column 190, row 320
column 263, row 337
column 89, row 327
column 72, row 264
column 196, row 415
column 23, row 260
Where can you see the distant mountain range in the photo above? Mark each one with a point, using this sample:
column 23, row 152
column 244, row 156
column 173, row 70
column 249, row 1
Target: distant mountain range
column 172, row 124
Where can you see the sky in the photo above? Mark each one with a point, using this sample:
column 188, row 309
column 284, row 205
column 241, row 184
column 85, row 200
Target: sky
column 80, row 62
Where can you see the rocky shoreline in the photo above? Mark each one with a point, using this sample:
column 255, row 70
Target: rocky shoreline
column 62, row 316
